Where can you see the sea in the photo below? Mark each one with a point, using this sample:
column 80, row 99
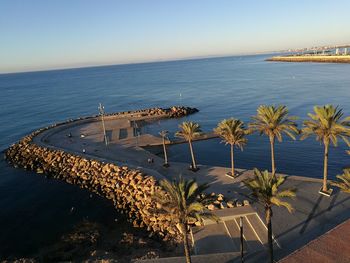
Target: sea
column 36, row 211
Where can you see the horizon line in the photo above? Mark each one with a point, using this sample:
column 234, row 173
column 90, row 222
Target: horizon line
column 140, row 62
column 93, row 65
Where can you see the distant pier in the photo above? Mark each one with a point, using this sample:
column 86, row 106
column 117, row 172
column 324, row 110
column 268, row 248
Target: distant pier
column 312, row 58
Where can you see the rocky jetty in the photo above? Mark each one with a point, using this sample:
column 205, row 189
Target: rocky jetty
column 130, row 190
column 173, row 112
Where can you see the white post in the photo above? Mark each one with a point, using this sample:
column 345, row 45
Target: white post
column 102, row 111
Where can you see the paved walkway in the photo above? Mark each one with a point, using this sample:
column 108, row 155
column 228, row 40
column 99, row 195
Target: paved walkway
column 314, row 214
column 224, row 237
column 330, row 247
column 221, row 257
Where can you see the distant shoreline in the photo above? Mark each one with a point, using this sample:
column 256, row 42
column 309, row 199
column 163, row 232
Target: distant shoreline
column 312, row 58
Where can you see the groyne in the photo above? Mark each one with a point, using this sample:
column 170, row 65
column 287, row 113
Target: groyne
column 312, row 58
column 130, row 190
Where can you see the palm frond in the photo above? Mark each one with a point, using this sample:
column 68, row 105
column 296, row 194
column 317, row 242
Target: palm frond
column 343, row 182
column 181, row 199
column 189, row 130
column 209, row 215
column 326, row 124
column 279, row 202
column 195, row 208
column 232, row 131
column 273, row 122
column 265, row 187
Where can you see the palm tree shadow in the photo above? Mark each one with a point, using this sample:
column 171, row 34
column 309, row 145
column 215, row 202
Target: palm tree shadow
column 334, row 199
column 342, row 202
column 311, row 215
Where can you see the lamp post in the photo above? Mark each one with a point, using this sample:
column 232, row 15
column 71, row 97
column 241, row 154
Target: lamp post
column 164, row 134
column 101, row 110
column 136, row 132
column 241, row 230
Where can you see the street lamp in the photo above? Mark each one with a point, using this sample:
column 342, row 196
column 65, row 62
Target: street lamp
column 136, row 132
column 101, row 110
column 164, row 135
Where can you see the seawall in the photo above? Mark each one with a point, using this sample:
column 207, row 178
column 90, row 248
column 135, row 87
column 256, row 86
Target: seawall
column 130, row 190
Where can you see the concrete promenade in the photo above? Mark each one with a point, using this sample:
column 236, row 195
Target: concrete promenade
column 314, row 214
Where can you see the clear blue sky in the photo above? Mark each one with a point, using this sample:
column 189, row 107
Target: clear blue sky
column 44, row 34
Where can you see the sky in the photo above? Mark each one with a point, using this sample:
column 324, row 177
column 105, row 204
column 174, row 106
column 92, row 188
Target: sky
column 42, row 34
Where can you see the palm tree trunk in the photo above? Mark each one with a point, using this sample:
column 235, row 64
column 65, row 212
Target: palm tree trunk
column 165, row 153
column 232, row 162
column 268, row 212
column 192, row 155
column 325, row 166
column 186, row 244
column 272, row 144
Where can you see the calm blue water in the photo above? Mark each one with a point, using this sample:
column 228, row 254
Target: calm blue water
column 220, row 87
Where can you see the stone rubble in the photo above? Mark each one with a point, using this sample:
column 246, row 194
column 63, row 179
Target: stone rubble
column 130, row 190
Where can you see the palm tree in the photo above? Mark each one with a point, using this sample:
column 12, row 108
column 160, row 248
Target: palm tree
column 273, row 122
column 232, row 132
column 265, row 188
column 189, row 131
column 327, row 125
column 343, row 181
column 182, row 202
column 164, row 134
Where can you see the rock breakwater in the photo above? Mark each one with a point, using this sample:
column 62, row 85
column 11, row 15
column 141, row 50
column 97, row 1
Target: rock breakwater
column 130, row 190
column 172, row 112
